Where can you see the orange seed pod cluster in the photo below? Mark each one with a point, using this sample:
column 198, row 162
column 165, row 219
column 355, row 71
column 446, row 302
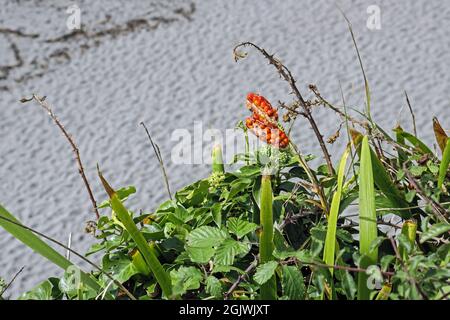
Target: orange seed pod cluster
column 263, row 122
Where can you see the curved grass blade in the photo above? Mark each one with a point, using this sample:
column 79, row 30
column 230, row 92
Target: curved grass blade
column 152, row 261
column 367, row 218
column 330, row 239
column 269, row 289
column 382, row 179
column 12, row 225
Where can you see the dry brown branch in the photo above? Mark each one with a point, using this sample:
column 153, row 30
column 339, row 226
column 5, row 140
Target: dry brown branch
column 241, row 278
column 76, row 151
column 160, row 160
column 412, row 114
column 286, row 74
column 11, row 282
column 438, row 210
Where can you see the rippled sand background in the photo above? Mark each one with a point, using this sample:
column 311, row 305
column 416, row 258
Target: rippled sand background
column 169, row 63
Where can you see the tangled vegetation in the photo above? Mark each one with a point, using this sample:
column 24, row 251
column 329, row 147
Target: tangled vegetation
column 372, row 226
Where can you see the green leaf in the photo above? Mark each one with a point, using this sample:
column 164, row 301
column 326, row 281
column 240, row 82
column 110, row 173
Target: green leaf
column 264, row 272
column 227, row 251
column 330, row 240
column 292, row 283
column 120, row 266
column 240, row 227
column 404, row 244
column 47, row 290
column 382, row 179
column 200, row 254
column 206, row 236
column 416, row 142
column 367, row 218
column 434, row 231
column 185, row 278
column 214, row 287
column 150, row 258
column 122, row 193
column 349, row 285
column 443, row 167
column 28, row 238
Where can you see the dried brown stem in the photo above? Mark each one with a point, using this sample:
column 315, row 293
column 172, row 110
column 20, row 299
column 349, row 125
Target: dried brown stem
column 76, row 151
column 241, row 278
column 412, row 114
column 286, row 74
column 438, row 210
column 160, row 160
column 11, row 282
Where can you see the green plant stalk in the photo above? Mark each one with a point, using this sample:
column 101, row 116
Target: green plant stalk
column 152, row 261
column 217, row 159
column 367, row 218
column 383, row 294
column 443, row 167
column 409, row 229
column 330, row 240
column 39, row 246
column 266, row 245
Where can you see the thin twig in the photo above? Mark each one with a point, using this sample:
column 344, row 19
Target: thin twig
column 241, row 278
column 129, row 294
column 160, row 160
column 438, row 210
column 412, row 114
column 12, row 280
column 72, row 143
column 286, row 74
column 328, row 104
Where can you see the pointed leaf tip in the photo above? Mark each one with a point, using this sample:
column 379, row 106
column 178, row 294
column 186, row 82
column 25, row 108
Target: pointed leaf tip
column 109, row 190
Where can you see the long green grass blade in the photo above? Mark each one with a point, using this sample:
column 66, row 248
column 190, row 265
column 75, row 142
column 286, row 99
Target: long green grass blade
column 266, row 246
column 28, row 238
column 152, row 261
column 330, row 240
column 382, row 179
column 444, row 164
column 367, row 218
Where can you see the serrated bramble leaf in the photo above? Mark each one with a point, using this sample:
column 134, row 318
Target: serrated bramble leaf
column 185, row 278
column 206, row 236
column 213, row 286
column 292, row 283
column 264, row 272
column 240, row 227
column 200, row 254
column 228, row 250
